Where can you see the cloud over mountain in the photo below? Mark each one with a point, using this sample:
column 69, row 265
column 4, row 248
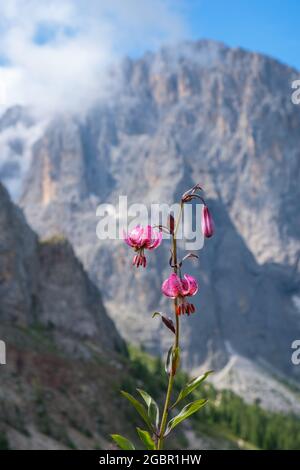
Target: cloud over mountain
column 55, row 55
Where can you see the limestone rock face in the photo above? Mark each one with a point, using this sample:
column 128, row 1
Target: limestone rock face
column 18, row 264
column 65, row 360
column 43, row 284
column 200, row 112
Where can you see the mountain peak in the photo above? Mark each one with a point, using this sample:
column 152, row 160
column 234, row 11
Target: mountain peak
column 197, row 112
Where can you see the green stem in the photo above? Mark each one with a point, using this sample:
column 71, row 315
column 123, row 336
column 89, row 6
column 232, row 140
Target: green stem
column 165, row 413
column 176, row 344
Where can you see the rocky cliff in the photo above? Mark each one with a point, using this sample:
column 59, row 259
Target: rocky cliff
column 42, row 283
column 58, row 386
column 200, row 112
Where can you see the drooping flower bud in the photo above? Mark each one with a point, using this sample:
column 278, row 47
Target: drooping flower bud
column 171, row 224
column 207, row 223
column 168, row 322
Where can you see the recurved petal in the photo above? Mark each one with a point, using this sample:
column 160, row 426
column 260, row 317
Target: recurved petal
column 147, row 236
column 171, row 287
column 127, row 239
column 184, row 287
column 136, row 233
column 135, row 237
column 192, row 284
column 156, row 240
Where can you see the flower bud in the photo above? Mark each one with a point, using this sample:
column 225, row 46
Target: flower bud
column 171, row 224
column 207, row 223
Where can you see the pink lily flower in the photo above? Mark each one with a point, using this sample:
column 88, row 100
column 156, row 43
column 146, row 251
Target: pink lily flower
column 207, row 223
column 141, row 239
column 179, row 288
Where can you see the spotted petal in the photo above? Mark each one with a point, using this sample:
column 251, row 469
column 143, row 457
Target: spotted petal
column 134, row 237
column 192, row 284
column 156, row 240
column 171, row 287
column 147, row 236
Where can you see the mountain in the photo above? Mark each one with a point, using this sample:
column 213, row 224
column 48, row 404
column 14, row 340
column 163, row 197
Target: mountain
column 43, row 283
column 197, row 112
column 66, row 363
column 64, row 353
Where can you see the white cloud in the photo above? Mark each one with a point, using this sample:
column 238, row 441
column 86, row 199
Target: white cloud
column 16, row 144
column 81, row 38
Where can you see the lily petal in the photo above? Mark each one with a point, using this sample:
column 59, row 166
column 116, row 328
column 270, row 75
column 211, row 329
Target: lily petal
column 147, row 236
column 171, row 287
column 156, row 241
column 192, row 284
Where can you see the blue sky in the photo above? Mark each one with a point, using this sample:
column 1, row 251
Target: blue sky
column 268, row 26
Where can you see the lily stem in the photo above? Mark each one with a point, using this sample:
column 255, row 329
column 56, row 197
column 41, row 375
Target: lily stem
column 175, row 346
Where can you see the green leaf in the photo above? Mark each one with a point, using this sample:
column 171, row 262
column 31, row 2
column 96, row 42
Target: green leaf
column 175, row 360
column 172, row 360
column 155, row 314
column 139, row 408
column 187, row 411
column 122, row 442
column 153, row 410
column 168, row 364
column 153, row 413
column 191, row 386
column 146, row 397
column 146, row 439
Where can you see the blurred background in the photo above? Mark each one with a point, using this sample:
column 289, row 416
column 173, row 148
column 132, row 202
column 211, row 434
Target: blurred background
column 144, row 99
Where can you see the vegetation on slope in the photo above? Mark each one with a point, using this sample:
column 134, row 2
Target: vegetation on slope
column 71, row 401
column 226, row 415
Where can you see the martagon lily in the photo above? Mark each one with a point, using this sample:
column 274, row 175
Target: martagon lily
column 180, row 288
column 141, row 239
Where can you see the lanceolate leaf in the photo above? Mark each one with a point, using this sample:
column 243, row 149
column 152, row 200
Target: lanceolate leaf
column 146, row 397
column 139, row 408
column 189, row 255
column 168, row 364
column 172, row 361
column 122, row 442
column 146, row 439
column 175, row 360
column 153, row 410
column 191, row 386
column 187, row 411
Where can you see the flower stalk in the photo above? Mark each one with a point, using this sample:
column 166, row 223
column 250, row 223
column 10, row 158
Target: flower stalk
column 176, row 343
column 179, row 288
